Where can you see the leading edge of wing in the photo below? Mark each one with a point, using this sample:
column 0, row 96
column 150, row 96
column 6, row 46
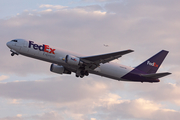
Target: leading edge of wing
column 104, row 58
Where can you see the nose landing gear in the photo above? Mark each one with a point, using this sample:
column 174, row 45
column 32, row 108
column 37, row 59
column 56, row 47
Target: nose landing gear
column 13, row 53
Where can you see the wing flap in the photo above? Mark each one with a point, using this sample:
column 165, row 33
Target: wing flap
column 156, row 75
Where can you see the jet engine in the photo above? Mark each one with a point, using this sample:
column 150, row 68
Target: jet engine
column 72, row 60
column 59, row 69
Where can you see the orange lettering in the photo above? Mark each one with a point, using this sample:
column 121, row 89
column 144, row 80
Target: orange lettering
column 46, row 48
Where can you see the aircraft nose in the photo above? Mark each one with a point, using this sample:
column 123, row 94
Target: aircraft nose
column 8, row 44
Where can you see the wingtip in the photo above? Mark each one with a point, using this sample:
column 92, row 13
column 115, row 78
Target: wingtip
column 131, row 50
column 169, row 73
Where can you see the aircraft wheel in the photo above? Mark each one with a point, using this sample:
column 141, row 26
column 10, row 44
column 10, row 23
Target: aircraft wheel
column 77, row 75
column 86, row 73
column 82, row 73
column 12, row 54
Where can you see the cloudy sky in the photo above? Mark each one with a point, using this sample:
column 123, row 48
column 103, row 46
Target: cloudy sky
column 29, row 91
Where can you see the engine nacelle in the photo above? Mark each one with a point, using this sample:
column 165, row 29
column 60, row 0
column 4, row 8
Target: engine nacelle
column 72, row 60
column 59, row 69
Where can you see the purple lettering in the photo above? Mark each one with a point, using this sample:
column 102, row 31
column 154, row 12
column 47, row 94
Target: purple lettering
column 30, row 43
column 41, row 47
column 35, row 46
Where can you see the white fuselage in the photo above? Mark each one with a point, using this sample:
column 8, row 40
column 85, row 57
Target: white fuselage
column 56, row 56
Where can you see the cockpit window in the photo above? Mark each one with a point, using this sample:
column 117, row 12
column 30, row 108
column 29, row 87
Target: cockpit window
column 14, row 41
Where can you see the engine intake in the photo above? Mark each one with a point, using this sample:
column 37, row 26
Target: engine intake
column 59, row 69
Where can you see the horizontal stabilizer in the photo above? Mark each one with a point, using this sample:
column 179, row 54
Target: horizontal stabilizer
column 156, row 75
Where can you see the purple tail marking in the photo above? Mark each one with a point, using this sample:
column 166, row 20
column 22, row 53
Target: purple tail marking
column 152, row 64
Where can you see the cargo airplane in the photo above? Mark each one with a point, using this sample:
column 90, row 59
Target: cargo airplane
column 65, row 62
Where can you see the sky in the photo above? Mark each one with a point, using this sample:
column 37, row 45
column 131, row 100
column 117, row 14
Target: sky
column 29, row 91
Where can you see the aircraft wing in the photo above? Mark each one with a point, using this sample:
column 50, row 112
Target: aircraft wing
column 95, row 60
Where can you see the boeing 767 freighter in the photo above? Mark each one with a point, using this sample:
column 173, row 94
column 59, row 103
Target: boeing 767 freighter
column 64, row 62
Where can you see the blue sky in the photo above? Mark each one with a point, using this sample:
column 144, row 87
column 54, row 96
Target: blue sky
column 29, row 91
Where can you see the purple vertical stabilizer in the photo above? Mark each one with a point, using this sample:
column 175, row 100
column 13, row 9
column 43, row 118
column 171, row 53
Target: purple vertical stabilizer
column 152, row 64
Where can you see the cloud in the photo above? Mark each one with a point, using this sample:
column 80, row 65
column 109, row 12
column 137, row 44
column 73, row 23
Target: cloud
column 53, row 90
column 3, row 77
column 137, row 109
column 81, row 100
column 11, row 118
column 91, row 8
column 19, row 115
column 46, row 116
column 15, row 101
column 52, row 6
column 48, row 10
column 166, row 92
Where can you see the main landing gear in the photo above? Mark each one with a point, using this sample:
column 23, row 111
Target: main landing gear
column 81, row 73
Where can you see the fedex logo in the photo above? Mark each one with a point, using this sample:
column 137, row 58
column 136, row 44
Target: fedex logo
column 73, row 59
column 152, row 64
column 43, row 47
